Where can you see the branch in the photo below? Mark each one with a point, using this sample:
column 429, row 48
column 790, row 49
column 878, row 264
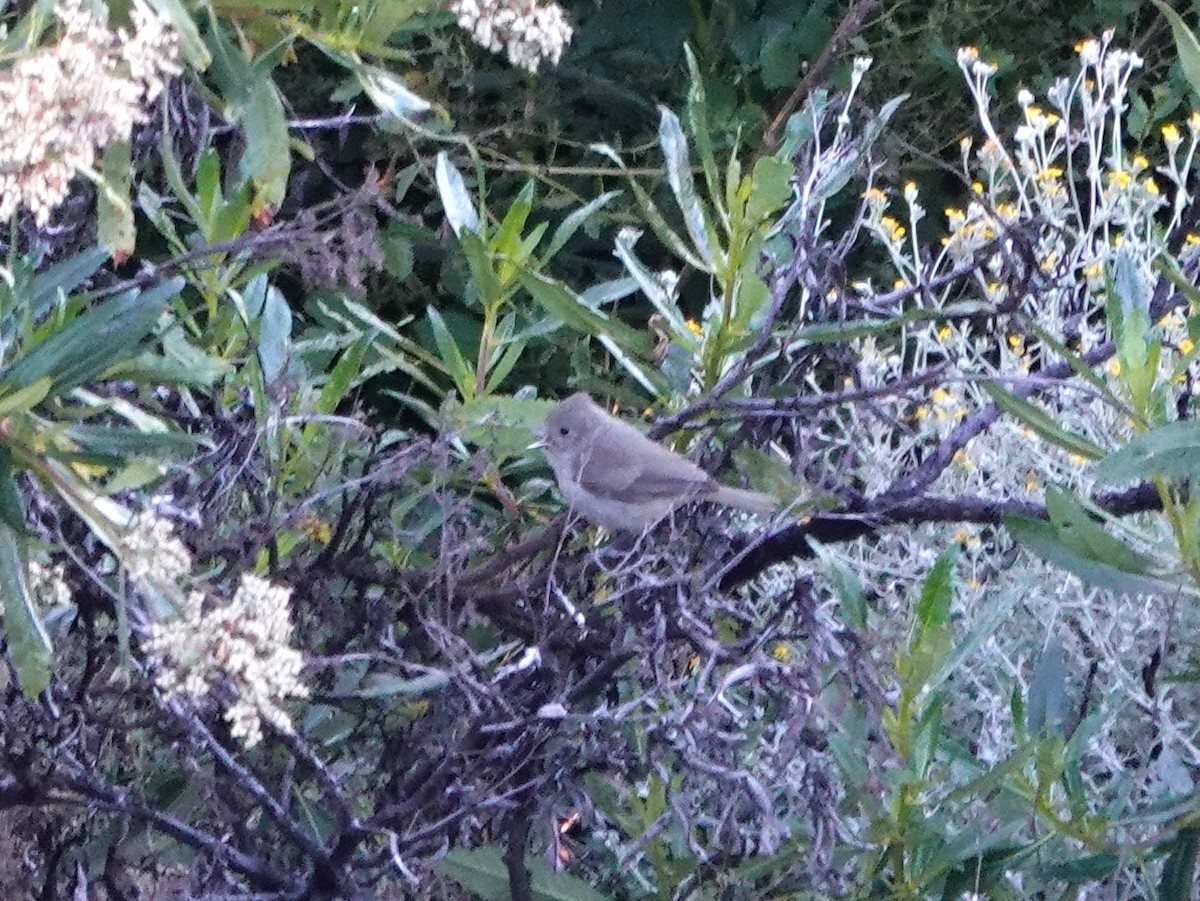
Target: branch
column 872, row 516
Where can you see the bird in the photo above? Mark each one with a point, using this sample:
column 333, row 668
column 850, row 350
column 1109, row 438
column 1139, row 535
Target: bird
column 614, row 476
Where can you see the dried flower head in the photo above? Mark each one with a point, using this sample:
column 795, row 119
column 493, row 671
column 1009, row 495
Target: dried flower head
column 244, row 641
column 61, row 104
column 528, row 31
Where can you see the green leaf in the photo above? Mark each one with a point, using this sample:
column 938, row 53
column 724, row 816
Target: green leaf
column 1085, row 536
column 12, row 512
column 125, row 443
column 503, row 425
column 342, row 378
column 1170, row 451
column 679, row 176
column 1089, row 868
column 512, row 353
column 274, row 337
column 655, row 219
column 507, row 239
column 457, row 202
column 483, row 872
column 1042, row 423
column 771, row 188
column 268, row 158
column 28, row 643
column 115, row 230
column 1186, row 44
column 933, row 607
column 452, row 357
column 1042, row 539
column 388, row 685
column 24, row 399
column 571, row 224
column 650, row 285
column 696, row 113
column 1047, row 708
column 568, row 308
column 1179, row 872
column 93, row 341
column 64, row 277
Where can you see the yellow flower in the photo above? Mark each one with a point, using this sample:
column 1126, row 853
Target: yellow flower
column 910, row 191
column 1093, row 270
column 1016, row 341
column 1032, row 484
column 944, row 333
column 895, row 230
column 874, row 196
column 1170, row 133
column 1050, row 173
column 694, row 327
column 781, row 652
column 922, row 412
column 940, row 395
column 1186, row 346
column 1078, row 459
column 1140, row 163
column 977, row 187
column 1194, row 122
column 1114, row 367
column 1151, row 187
column 1050, row 261
column 1120, row 178
column 1191, row 239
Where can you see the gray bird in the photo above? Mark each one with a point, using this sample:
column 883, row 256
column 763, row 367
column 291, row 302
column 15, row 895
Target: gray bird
column 614, row 476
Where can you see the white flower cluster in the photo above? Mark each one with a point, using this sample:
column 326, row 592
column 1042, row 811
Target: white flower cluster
column 152, row 554
column 244, row 640
column 527, row 30
column 60, row 104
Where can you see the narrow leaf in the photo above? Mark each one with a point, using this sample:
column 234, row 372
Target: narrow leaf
column 460, row 209
column 28, row 643
column 679, row 176
column 268, row 156
column 115, row 230
column 1042, row 423
column 1186, row 44
column 1171, row 451
column 452, row 357
column 1042, row 540
column 274, row 338
column 567, row 228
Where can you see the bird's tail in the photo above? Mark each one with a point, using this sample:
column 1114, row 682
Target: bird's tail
column 752, row 501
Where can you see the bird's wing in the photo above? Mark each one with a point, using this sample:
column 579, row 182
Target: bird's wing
column 637, row 469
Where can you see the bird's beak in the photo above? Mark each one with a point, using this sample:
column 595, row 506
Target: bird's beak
column 541, row 440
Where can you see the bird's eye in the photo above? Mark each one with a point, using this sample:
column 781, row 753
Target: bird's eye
column 564, row 431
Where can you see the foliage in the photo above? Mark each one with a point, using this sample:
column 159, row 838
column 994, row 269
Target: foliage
column 291, row 607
